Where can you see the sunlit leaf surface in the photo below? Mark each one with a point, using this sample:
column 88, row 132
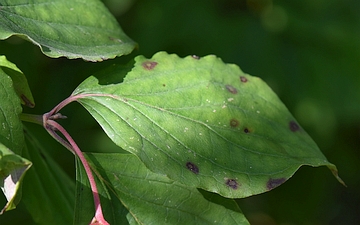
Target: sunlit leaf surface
column 201, row 122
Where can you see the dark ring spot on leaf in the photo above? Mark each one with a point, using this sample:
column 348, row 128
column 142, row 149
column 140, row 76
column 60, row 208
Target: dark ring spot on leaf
column 231, row 89
column 195, row 57
column 234, row 123
column 273, row 183
column 164, row 85
column 192, row 167
column 293, row 126
column 243, row 79
column 232, row 183
column 149, row 65
column 246, row 130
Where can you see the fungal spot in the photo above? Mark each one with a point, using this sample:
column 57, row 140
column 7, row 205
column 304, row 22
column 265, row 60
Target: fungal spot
column 294, row 126
column 243, row 79
column 192, row 167
column 149, row 65
column 273, row 183
column 164, row 85
column 195, row 57
column 232, row 183
column 246, row 130
column 231, row 89
column 234, row 123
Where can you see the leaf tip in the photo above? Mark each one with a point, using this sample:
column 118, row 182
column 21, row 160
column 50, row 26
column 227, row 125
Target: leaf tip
column 334, row 171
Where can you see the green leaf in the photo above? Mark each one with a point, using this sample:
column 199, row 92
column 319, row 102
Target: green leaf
column 11, row 134
column 155, row 199
column 46, row 187
column 19, row 80
column 12, row 170
column 201, row 122
column 114, row 212
column 12, row 165
column 74, row 29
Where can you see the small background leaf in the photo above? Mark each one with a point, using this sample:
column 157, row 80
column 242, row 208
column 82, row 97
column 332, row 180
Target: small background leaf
column 75, row 29
column 19, row 80
column 11, row 134
column 12, row 170
column 155, row 199
column 202, row 122
column 12, row 165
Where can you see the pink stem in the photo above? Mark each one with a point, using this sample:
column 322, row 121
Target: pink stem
column 51, row 126
column 70, row 99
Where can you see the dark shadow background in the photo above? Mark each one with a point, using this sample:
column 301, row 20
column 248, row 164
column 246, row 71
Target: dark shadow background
column 307, row 51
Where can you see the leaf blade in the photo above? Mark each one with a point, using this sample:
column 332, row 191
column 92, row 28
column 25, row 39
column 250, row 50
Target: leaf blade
column 12, row 171
column 12, row 165
column 203, row 123
column 74, row 29
column 153, row 198
column 21, row 85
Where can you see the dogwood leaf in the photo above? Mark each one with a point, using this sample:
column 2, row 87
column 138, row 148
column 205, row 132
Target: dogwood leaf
column 12, row 165
column 201, row 122
column 21, row 85
column 70, row 28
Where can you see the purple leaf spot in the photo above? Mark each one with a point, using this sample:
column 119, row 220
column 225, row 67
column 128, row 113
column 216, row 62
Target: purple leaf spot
column 294, row 126
column 231, row 89
column 273, row 183
column 149, row 65
column 243, row 79
column 192, row 167
column 232, row 183
column 234, row 123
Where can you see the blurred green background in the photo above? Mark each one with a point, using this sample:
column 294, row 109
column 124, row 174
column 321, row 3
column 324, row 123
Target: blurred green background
column 307, row 51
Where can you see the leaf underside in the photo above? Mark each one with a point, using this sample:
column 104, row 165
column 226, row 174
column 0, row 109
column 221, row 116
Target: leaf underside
column 201, row 122
column 70, row 28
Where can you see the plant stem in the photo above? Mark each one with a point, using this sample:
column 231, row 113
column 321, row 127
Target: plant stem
column 70, row 144
column 49, row 123
column 38, row 119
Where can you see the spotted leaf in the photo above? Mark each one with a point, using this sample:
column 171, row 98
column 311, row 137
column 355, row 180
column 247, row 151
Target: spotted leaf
column 201, row 122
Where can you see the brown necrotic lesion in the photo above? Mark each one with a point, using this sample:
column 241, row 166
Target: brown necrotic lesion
column 192, row 167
